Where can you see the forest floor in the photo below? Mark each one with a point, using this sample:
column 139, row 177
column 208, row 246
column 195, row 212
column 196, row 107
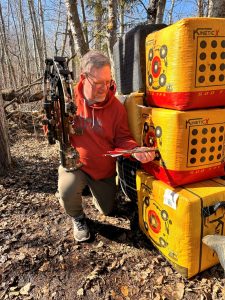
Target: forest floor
column 39, row 258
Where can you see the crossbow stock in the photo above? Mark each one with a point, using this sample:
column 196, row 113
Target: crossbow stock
column 60, row 110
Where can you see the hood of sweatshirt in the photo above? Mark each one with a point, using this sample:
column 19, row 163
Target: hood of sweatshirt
column 81, row 101
column 104, row 127
column 99, row 105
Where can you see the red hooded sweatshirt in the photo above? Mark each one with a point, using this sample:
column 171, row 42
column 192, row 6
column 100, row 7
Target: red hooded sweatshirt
column 105, row 128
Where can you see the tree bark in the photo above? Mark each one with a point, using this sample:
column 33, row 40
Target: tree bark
column 36, row 35
column 216, row 8
column 98, row 12
column 111, row 30
column 152, row 11
column 5, row 156
column 24, row 42
column 160, row 11
column 121, row 16
column 84, row 22
column 75, row 25
column 4, row 43
column 41, row 12
column 171, row 12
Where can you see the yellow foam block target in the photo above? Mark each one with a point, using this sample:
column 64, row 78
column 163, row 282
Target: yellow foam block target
column 190, row 144
column 176, row 220
column 185, row 64
column 132, row 105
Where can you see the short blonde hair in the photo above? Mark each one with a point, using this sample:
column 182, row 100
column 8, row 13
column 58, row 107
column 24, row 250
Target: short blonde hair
column 93, row 58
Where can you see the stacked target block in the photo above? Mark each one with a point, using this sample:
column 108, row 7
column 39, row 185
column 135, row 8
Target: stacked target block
column 181, row 194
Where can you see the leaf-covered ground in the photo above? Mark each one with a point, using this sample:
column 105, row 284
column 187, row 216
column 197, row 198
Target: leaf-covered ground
column 40, row 260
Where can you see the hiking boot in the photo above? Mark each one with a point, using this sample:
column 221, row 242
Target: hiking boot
column 80, row 229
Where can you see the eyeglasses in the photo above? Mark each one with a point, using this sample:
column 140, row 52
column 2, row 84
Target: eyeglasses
column 94, row 84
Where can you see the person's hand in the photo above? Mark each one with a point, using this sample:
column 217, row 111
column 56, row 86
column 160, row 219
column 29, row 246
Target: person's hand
column 144, row 156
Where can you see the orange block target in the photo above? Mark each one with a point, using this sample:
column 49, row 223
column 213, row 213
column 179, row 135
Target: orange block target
column 190, row 144
column 176, row 220
column 185, row 64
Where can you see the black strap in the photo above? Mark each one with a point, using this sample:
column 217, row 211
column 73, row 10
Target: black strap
column 210, row 210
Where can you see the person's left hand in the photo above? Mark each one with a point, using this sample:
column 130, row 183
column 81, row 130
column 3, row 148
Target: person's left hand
column 142, row 156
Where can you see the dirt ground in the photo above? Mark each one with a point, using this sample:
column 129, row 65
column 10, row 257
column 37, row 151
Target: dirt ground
column 40, row 260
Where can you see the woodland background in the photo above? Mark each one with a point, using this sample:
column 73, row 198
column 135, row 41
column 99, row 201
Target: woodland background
column 32, row 30
column 39, row 259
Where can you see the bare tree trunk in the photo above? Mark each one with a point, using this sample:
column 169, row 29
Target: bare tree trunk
column 160, row 11
column 121, row 16
column 65, row 38
column 3, row 80
column 36, row 35
column 203, row 7
column 171, row 12
column 75, row 25
column 36, row 60
column 200, row 8
column 73, row 53
column 152, row 11
column 98, row 12
column 216, row 8
column 4, row 42
column 207, row 8
column 24, row 46
column 22, row 72
column 111, row 30
column 57, row 28
column 41, row 12
column 84, row 22
column 5, row 156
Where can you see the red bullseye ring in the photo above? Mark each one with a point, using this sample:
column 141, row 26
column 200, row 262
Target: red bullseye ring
column 154, row 221
column 156, row 66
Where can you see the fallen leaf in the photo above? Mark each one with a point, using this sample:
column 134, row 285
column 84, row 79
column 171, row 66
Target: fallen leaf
column 80, row 292
column 168, row 271
column 179, row 291
column 44, row 267
column 25, row 289
column 100, row 244
column 157, row 296
column 14, row 293
column 159, row 280
column 124, row 290
column 112, row 294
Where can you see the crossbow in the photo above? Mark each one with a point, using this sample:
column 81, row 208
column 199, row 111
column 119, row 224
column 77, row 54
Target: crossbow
column 60, row 110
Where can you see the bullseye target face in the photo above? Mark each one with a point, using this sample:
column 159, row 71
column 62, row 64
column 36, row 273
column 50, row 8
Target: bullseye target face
column 156, row 67
column 210, row 66
column 205, row 144
column 156, row 220
column 149, row 135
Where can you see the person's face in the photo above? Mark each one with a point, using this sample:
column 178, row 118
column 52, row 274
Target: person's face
column 97, row 83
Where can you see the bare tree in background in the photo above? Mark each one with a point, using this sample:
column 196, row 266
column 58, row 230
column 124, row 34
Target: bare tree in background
column 121, row 9
column 111, row 29
column 216, row 8
column 152, row 11
column 98, row 13
column 160, row 11
column 24, row 42
column 5, row 156
column 5, row 49
column 38, row 43
column 76, row 28
column 203, row 7
column 171, row 12
column 85, row 27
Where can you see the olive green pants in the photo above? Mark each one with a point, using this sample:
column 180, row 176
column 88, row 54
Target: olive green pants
column 71, row 185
